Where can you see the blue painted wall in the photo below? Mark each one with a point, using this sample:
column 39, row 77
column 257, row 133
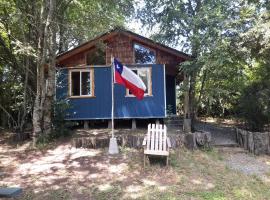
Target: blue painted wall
column 170, row 93
column 99, row 107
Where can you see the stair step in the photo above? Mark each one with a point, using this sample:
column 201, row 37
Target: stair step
column 174, row 123
column 173, row 120
column 174, row 127
column 226, row 145
column 174, row 117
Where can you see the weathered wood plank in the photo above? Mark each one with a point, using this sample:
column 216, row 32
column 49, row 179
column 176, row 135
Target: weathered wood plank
column 152, row 141
column 160, row 138
column 156, row 131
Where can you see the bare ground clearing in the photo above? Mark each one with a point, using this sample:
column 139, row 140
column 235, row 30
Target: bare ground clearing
column 63, row 172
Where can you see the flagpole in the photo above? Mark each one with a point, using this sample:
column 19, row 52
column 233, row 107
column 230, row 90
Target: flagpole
column 112, row 77
column 113, row 147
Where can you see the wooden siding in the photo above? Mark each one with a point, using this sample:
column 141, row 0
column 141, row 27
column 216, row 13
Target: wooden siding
column 121, row 47
column 99, row 107
column 76, row 60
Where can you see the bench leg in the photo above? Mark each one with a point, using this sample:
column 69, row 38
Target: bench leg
column 167, row 160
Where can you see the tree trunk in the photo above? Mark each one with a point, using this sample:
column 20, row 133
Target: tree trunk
column 187, row 120
column 201, row 91
column 192, row 85
column 22, row 121
column 192, row 99
column 50, row 90
column 45, row 88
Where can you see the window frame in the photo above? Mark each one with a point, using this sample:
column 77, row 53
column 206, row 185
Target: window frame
column 134, row 57
column 149, row 81
column 92, row 92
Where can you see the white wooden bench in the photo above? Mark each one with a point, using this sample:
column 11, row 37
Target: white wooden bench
column 156, row 142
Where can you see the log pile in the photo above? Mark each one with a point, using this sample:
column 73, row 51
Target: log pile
column 255, row 142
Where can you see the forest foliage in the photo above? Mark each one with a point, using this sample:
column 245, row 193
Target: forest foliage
column 32, row 33
column 230, row 44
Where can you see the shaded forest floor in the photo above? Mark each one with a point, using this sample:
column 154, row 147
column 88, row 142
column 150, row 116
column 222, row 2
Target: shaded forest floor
column 222, row 130
column 63, row 172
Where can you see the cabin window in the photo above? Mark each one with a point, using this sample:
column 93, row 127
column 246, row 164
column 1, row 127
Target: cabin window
column 81, row 83
column 144, row 55
column 96, row 56
column 145, row 74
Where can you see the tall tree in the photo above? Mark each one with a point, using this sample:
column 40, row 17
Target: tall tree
column 46, row 53
column 198, row 27
column 31, row 34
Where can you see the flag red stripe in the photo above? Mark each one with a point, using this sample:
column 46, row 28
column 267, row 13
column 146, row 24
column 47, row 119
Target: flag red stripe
column 138, row 92
column 118, row 78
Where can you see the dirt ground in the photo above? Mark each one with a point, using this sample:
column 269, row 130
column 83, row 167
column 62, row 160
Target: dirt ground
column 61, row 171
column 222, row 131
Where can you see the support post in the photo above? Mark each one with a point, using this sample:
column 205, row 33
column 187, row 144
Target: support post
column 157, row 121
column 134, row 125
column 85, row 124
column 110, row 124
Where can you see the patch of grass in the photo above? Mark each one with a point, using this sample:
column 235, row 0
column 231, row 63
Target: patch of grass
column 58, row 194
column 153, row 193
column 212, row 195
column 28, row 196
column 214, row 153
column 48, row 194
column 113, row 192
column 162, row 196
column 208, row 195
column 196, row 175
column 204, row 175
column 174, row 160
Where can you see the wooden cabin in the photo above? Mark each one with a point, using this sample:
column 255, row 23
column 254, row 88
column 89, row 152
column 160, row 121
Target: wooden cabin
column 84, row 77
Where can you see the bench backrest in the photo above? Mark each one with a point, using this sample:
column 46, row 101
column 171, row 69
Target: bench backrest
column 156, row 139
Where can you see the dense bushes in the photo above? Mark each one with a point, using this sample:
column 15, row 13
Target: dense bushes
column 254, row 105
column 61, row 127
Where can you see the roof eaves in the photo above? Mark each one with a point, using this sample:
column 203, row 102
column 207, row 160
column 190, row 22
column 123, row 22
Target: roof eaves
column 119, row 30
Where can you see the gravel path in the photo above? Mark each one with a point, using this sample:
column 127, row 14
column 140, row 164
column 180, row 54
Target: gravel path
column 221, row 135
column 238, row 159
column 234, row 157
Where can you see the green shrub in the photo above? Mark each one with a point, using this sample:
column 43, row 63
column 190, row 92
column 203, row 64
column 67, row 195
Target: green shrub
column 254, row 105
column 61, row 127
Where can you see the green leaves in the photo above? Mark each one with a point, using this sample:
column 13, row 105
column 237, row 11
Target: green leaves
column 22, row 43
column 230, row 41
column 82, row 20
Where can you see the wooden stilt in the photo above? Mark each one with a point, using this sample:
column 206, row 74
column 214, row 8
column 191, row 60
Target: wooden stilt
column 134, row 125
column 110, row 124
column 85, row 124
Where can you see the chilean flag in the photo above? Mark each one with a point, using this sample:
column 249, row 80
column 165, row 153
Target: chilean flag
column 127, row 78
